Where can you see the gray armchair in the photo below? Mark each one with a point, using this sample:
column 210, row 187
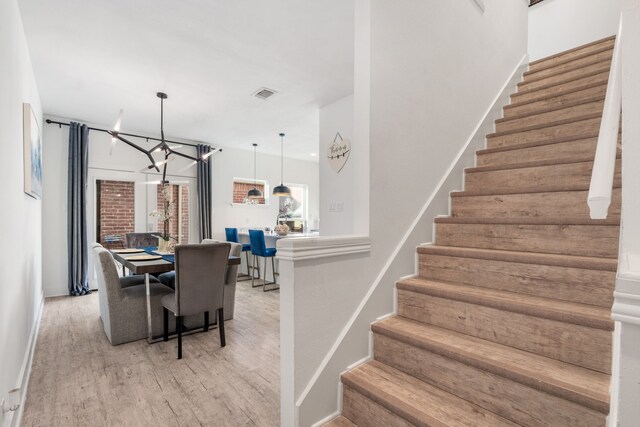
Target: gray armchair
column 200, row 274
column 124, row 309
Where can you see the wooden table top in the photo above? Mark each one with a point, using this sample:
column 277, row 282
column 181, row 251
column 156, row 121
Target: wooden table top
column 154, row 266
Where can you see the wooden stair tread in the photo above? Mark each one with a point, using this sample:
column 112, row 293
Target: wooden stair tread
column 563, row 311
column 524, row 165
column 416, row 401
column 583, row 79
column 537, row 75
column 547, row 124
column 555, row 108
column 340, row 422
column 570, row 382
column 539, row 143
column 559, row 94
column 573, row 261
column 565, row 76
column 606, row 48
column 527, row 220
column 572, row 53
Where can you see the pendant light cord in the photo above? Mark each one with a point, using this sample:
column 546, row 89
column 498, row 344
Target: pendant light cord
column 282, row 158
column 254, row 165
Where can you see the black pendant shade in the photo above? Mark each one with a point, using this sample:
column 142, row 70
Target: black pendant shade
column 281, row 190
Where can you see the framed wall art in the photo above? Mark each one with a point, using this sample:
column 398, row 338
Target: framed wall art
column 32, row 153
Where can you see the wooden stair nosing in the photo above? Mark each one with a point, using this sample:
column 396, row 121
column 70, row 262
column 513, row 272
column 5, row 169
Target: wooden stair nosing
column 573, row 261
column 568, row 105
column 605, row 63
column 525, row 190
column 534, row 77
column 525, row 165
column 572, row 50
column 553, row 95
column 528, row 91
column 538, row 143
column 570, row 382
column 561, row 311
column 615, row 222
column 546, row 125
column 600, row 50
column 413, row 400
column 340, row 421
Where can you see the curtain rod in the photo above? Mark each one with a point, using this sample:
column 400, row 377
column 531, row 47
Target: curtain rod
column 53, row 122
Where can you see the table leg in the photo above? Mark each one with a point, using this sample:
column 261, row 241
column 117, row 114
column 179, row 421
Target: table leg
column 146, row 284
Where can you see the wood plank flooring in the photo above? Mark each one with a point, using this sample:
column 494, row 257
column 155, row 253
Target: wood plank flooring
column 79, row 379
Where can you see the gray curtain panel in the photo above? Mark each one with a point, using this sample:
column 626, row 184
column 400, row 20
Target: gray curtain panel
column 77, row 244
column 204, row 192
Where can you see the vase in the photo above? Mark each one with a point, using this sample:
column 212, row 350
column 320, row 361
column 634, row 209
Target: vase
column 163, row 245
column 281, row 229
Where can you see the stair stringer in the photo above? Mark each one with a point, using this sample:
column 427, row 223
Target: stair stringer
column 342, row 357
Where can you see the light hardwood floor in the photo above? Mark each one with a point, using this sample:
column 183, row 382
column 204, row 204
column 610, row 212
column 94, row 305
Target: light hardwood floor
column 79, row 379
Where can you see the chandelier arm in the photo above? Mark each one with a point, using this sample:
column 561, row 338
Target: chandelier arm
column 186, row 156
column 132, row 145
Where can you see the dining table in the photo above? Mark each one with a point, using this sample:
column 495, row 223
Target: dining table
column 162, row 263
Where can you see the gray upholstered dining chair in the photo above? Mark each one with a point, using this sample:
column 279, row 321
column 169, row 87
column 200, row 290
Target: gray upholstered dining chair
column 126, row 281
column 199, row 287
column 124, row 310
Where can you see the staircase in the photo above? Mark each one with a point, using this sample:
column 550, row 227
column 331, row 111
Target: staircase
column 508, row 322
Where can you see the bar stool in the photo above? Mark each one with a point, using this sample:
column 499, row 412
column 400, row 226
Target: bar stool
column 232, row 236
column 259, row 249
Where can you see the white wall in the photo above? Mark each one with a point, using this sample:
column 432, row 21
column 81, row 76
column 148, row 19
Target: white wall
column 20, row 215
column 435, row 69
column 559, row 25
column 625, row 392
column 337, row 193
column 125, row 163
column 239, row 163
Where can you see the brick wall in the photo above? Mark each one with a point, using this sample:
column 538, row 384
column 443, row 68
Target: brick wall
column 176, row 218
column 240, row 190
column 115, row 209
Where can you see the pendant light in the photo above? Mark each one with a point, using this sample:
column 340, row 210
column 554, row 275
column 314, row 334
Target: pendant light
column 281, row 190
column 254, row 193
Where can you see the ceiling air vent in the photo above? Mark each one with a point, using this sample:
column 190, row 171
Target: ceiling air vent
column 264, row 93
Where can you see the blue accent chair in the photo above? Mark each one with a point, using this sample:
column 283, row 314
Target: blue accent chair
column 232, row 236
column 259, row 249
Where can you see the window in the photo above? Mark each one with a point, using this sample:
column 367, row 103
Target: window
column 241, row 186
column 178, row 211
column 295, row 207
column 115, row 216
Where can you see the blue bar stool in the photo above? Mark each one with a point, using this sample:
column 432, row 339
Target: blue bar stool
column 259, row 249
column 232, row 236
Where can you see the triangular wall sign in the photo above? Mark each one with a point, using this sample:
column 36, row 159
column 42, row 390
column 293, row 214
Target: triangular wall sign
column 338, row 152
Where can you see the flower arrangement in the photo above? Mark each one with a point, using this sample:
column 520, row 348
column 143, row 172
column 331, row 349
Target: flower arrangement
column 165, row 215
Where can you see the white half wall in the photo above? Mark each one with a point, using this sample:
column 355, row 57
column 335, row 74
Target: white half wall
column 559, row 25
column 337, row 190
column 20, row 216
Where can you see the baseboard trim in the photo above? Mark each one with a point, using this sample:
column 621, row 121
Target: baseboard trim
column 25, row 372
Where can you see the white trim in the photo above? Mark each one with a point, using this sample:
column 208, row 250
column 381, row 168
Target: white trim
column 304, row 248
column 626, row 308
column 604, row 163
column 25, row 371
column 509, row 84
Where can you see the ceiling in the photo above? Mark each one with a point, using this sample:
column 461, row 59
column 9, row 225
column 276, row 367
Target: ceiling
column 92, row 58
